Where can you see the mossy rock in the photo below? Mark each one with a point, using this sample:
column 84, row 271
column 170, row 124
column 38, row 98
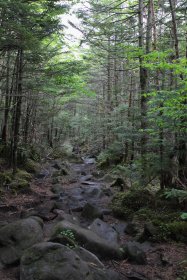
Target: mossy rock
column 120, row 210
column 5, row 177
column 16, row 182
column 124, row 204
column 147, row 214
column 137, row 198
column 23, row 174
column 175, row 231
column 31, row 166
column 19, row 185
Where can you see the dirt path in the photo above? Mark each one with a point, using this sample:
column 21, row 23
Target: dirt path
column 76, row 189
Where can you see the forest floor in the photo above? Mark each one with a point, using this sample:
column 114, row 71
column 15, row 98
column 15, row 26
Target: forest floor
column 164, row 260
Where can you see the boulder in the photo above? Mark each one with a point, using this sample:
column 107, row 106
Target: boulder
column 54, row 261
column 133, row 251
column 61, row 215
column 90, row 240
column 91, row 212
column 150, row 231
column 18, row 236
column 87, row 256
column 44, row 211
column 105, row 231
column 131, row 229
column 86, row 178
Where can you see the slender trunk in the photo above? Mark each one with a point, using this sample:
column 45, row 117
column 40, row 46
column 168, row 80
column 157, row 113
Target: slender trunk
column 17, row 110
column 182, row 149
column 7, row 101
column 143, row 88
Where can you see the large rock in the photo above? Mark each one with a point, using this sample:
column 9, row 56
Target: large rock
column 54, row 261
column 104, row 230
column 90, row 240
column 91, row 212
column 18, row 236
column 87, row 256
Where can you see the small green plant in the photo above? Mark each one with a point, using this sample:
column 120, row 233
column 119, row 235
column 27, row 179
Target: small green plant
column 69, row 238
column 184, row 216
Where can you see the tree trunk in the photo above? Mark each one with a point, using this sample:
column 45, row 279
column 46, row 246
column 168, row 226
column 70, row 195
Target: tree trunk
column 17, row 110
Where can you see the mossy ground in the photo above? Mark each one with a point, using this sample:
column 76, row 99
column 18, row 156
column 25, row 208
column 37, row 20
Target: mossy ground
column 16, row 182
column 140, row 205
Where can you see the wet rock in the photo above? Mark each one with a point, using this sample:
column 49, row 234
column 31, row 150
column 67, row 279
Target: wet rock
column 68, row 217
column 90, row 240
column 86, row 178
column 70, row 204
column 134, row 252
column 89, row 160
column 89, row 183
column 87, row 256
column 120, row 227
column 57, row 262
column 104, row 230
column 131, row 229
column 18, row 236
column 44, row 211
column 42, row 174
column 91, row 212
column 106, row 211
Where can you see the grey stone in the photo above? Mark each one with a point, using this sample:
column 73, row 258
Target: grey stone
column 134, row 252
column 91, row 212
column 104, row 230
column 90, row 240
column 52, row 261
column 131, row 229
column 87, row 256
column 18, row 236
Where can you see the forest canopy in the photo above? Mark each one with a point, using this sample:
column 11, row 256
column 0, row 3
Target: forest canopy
column 116, row 91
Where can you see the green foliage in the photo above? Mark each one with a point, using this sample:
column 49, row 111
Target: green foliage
column 14, row 183
column 69, row 237
column 184, row 216
column 181, row 195
column 174, row 230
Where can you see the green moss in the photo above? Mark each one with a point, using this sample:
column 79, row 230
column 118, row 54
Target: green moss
column 5, row 177
column 19, row 184
column 147, row 214
column 175, row 230
column 19, row 181
column 31, row 166
column 23, row 174
column 124, row 204
column 119, row 209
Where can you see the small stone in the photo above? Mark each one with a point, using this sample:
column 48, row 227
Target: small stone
column 134, row 253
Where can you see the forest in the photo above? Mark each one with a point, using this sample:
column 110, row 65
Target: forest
column 93, row 129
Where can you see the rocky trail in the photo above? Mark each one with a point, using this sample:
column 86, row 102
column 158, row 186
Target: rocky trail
column 66, row 222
